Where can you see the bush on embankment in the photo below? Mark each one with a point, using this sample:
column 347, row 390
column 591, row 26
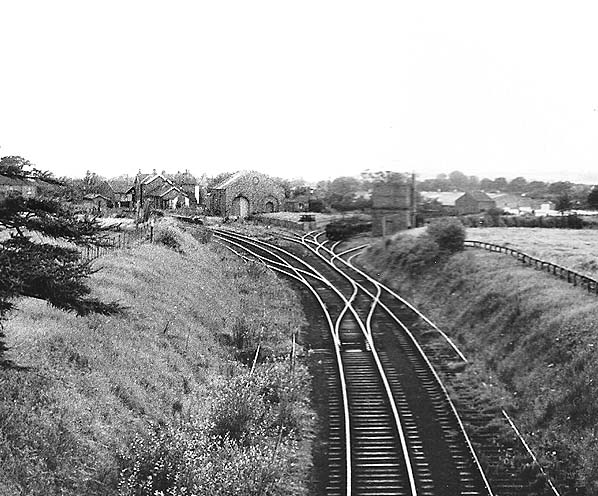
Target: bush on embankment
column 109, row 404
column 415, row 254
column 534, row 337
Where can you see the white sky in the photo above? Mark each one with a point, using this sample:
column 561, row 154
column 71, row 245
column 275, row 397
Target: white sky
column 307, row 88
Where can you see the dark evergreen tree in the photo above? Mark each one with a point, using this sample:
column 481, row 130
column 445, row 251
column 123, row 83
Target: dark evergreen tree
column 31, row 264
column 564, row 203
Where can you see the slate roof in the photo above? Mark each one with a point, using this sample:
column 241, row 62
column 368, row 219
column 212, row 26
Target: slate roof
column 446, row 198
column 479, row 196
column 227, row 182
column 93, row 196
column 120, row 186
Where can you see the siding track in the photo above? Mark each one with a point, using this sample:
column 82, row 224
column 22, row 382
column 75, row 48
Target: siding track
column 393, row 428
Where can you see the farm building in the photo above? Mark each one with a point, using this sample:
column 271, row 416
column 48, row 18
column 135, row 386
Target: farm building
column 459, row 202
column 158, row 192
column 13, row 185
column 474, row 202
column 245, row 193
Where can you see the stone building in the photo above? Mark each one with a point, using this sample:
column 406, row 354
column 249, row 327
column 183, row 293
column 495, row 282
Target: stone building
column 245, row 193
column 393, row 208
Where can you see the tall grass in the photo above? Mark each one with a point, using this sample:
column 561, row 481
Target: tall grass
column 90, row 389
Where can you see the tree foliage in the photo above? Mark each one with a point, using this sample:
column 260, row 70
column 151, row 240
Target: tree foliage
column 449, row 234
column 593, row 198
column 563, row 203
column 32, row 263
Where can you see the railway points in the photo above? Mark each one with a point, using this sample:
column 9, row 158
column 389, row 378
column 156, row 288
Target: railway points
column 393, row 427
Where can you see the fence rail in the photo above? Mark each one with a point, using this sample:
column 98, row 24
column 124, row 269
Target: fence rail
column 571, row 276
column 115, row 240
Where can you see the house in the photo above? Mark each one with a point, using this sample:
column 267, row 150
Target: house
column 474, row 202
column 515, row 204
column 121, row 192
column 245, row 193
column 17, row 186
column 157, row 191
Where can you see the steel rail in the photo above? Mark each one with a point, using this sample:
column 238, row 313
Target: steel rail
column 283, row 263
column 464, row 359
column 384, row 379
column 369, row 338
column 424, row 357
column 269, row 263
column 410, row 306
column 337, row 348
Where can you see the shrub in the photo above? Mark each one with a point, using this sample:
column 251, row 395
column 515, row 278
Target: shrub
column 414, row 255
column 168, row 237
column 203, row 235
column 187, row 460
column 449, row 234
column 239, row 410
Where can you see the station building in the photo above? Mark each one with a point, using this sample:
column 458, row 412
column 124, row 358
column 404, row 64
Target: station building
column 245, row 193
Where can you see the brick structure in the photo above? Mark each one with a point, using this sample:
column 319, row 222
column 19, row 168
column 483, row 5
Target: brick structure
column 246, row 193
column 393, row 208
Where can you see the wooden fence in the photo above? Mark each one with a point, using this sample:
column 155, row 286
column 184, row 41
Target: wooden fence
column 571, row 276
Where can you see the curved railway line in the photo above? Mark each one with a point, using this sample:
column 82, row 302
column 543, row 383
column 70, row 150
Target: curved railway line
column 393, row 428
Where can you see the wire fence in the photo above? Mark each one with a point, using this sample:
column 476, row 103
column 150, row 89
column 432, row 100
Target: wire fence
column 572, row 277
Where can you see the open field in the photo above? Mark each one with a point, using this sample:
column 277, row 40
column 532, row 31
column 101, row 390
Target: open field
column 575, row 249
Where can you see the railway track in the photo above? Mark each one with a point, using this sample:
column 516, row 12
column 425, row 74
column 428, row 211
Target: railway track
column 393, row 427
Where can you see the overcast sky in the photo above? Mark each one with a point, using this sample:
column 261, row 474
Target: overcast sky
column 307, row 88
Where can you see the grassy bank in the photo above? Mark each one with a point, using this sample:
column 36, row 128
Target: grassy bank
column 160, row 397
column 532, row 337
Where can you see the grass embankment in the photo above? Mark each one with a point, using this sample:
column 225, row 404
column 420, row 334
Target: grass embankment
column 532, row 336
column 160, row 397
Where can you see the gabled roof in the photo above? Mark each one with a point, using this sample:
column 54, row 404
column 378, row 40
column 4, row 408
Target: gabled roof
column 446, row 198
column 152, row 177
column 120, row 186
column 479, row 196
column 93, row 196
column 227, row 182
